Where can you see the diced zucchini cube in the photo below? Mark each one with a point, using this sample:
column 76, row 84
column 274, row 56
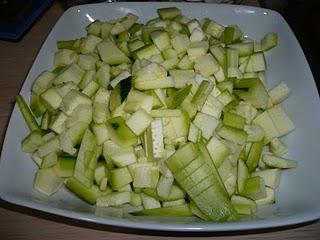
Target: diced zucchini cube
column 119, row 177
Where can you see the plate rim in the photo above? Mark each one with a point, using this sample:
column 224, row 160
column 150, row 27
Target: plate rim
column 172, row 227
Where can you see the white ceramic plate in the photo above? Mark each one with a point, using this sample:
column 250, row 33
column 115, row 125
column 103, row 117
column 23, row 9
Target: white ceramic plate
column 298, row 197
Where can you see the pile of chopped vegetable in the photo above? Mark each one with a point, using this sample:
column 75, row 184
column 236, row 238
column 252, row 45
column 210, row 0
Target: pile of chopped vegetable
column 171, row 117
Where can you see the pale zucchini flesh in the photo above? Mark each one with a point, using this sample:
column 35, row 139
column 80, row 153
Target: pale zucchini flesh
column 167, row 118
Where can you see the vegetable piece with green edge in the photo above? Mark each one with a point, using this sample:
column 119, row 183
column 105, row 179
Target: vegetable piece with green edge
column 122, row 76
column 153, row 140
column 168, row 13
column 161, row 113
column 65, row 166
column 123, row 37
column 213, row 28
column 180, row 42
column 49, row 160
column 182, row 157
column 90, row 195
column 42, row 82
column 196, row 211
column 100, row 173
column 51, row 100
column 278, row 162
column 91, row 89
column 255, row 133
column 72, row 73
column 232, row 134
column 264, row 120
column 94, row 28
column 45, row 121
column 206, row 65
column 36, row 106
column 31, row 143
column 254, row 155
column 128, row 20
column 244, row 48
column 105, row 29
column 164, row 186
column 231, row 34
column 220, row 54
column 270, row 40
column 243, row 174
column 172, row 211
column 67, row 44
column 120, row 177
column 202, row 94
column 269, row 199
column 206, row 123
column 135, row 45
column 26, row 113
column 277, row 147
column 145, row 175
column 102, row 76
column 177, row 98
column 194, row 134
column 281, row 120
column 175, row 193
column 110, row 53
column 182, row 78
column 204, row 154
column 149, row 202
column 115, row 98
column 168, row 53
column 64, row 57
column 178, row 202
column 161, row 39
column 212, row 106
column 271, row 177
column 47, row 181
column 139, row 121
column 135, row 199
column 88, row 77
column 256, row 63
column 72, row 100
column 254, row 188
column 199, row 49
column 138, row 100
column 86, row 158
column 175, row 128
column 165, row 82
column 114, row 199
column 233, row 120
column 120, row 156
column 279, row 93
column 232, row 58
column 218, row 151
column 58, row 123
column 251, row 90
column 146, row 52
column 225, row 169
column 87, row 62
column 213, row 198
column 225, row 97
column 243, row 205
column 135, row 28
column 225, row 85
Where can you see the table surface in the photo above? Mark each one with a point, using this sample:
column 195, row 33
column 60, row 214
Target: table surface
column 22, row 223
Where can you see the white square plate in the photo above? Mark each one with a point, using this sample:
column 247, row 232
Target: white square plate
column 298, row 197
